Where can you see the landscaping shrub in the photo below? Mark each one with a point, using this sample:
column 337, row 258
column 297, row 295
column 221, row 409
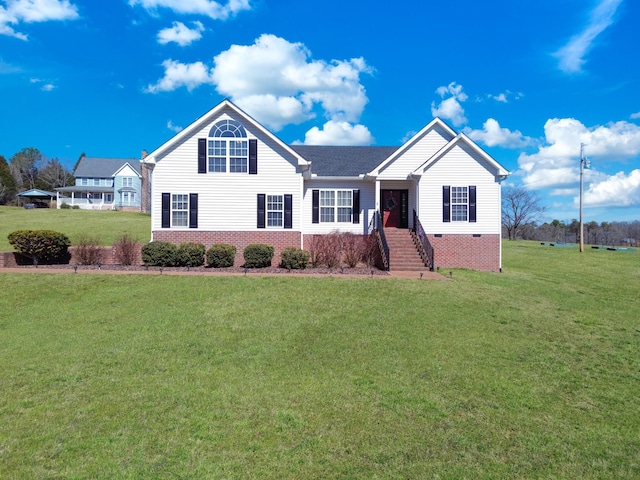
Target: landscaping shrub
column 88, row 251
column 294, row 258
column 221, row 255
column 65, row 206
column 258, row 255
column 125, row 249
column 159, row 254
column 330, row 249
column 190, row 255
column 41, row 246
column 353, row 247
column 314, row 244
column 370, row 250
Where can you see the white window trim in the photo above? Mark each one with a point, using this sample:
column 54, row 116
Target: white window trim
column 227, row 154
column 175, row 210
column 336, row 207
column 271, row 210
column 455, row 202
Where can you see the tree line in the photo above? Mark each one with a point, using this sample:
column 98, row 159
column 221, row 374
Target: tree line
column 29, row 169
column 522, row 210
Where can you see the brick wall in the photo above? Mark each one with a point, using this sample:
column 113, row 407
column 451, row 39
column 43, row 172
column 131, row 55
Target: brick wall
column 466, row 251
column 277, row 239
column 12, row 259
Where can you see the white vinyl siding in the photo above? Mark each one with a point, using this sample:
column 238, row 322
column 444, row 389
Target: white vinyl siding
column 460, row 167
column 412, row 158
column 227, row 202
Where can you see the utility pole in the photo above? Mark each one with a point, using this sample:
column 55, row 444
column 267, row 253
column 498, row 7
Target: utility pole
column 584, row 163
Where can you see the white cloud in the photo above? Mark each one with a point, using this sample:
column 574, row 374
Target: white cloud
column 32, row 11
column 278, row 83
column 556, row 163
column 571, row 56
column 619, row 190
column 339, row 133
column 48, row 87
column 181, row 34
column 504, row 97
column 635, row 116
column 172, row 127
column 492, row 135
column 209, row 8
column 176, row 75
column 450, row 108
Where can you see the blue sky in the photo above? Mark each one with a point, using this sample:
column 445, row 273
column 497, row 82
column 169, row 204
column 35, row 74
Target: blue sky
column 528, row 80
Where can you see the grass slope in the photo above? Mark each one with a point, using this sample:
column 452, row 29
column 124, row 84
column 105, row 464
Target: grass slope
column 108, row 226
column 532, row 373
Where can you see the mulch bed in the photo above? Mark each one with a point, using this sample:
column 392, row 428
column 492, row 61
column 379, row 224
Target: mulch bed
column 363, row 271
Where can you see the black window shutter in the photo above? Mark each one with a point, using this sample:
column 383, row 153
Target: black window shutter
column 166, row 210
column 315, row 200
column 261, row 210
column 193, row 210
column 356, row 206
column 446, row 203
column 472, row 203
column 202, row 155
column 288, row 211
column 253, row 156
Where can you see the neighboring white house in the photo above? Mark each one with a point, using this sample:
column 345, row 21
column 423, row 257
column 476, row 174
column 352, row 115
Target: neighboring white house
column 226, row 178
column 104, row 184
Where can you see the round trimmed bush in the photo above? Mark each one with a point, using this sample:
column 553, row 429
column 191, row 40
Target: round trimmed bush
column 294, row 258
column 159, row 254
column 41, row 246
column 258, row 255
column 221, row 255
column 190, row 255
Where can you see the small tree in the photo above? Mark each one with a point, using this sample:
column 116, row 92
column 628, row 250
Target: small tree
column 41, row 246
column 519, row 207
column 125, row 249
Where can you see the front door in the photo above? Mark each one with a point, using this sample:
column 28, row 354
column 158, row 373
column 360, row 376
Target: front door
column 395, row 208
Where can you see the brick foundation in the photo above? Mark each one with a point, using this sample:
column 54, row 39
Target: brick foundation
column 466, row 251
column 277, row 239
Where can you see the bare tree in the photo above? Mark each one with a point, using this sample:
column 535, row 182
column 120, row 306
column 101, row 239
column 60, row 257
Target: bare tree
column 519, row 207
column 24, row 167
column 53, row 175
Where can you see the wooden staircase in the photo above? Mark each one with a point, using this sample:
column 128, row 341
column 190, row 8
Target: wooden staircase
column 403, row 252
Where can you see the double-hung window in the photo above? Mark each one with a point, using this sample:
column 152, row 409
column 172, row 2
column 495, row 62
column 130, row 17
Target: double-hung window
column 336, row 206
column 327, row 205
column 459, row 204
column 228, row 148
column 127, row 181
column 275, row 210
column 179, row 210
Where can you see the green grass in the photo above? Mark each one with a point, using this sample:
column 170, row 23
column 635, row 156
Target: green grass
column 108, row 226
column 532, row 373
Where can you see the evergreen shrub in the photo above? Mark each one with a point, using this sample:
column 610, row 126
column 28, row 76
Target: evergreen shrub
column 221, row 255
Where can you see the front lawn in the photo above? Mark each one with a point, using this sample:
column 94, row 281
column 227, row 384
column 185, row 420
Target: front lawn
column 107, row 226
column 532, row 373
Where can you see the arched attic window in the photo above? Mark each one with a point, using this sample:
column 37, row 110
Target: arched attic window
column 228, row 147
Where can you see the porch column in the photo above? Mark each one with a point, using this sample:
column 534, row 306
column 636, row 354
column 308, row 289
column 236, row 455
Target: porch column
column 377, row 195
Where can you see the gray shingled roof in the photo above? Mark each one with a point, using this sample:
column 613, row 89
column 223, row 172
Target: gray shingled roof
column 329, row 161
column 103, row 167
